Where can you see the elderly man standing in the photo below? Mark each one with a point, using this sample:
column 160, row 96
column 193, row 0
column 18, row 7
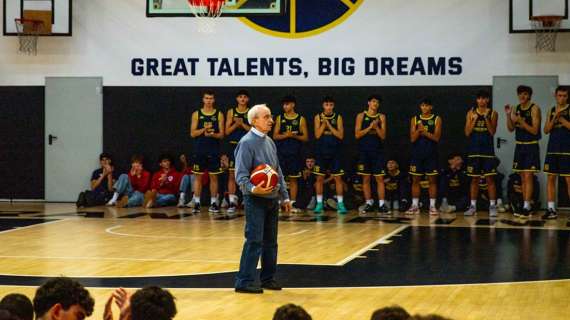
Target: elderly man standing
column 261, row 203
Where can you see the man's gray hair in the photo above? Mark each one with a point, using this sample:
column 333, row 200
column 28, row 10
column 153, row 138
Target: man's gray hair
column 254, row 111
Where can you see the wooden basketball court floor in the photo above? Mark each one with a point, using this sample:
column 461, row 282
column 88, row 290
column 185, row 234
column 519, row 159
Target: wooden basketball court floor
column 335, row 267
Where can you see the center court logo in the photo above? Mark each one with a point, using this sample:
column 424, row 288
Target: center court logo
column 304, row 18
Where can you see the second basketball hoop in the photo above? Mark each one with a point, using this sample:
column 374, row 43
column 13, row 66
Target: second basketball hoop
column 546, row 29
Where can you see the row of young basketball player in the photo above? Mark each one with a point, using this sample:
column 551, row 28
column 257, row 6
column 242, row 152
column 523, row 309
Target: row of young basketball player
column 209, row 126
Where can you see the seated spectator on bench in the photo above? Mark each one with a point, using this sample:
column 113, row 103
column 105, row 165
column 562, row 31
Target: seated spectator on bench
column 130, row 188
column 164, row 185
column 454, row 185
column 102, row 181
column 397, row 185
column 306, row 183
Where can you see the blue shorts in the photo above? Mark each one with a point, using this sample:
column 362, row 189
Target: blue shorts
column 427, row 165
column 291, row 165
column 203, row 162
column 371, row 163
column 527, row 158
column 481, row 166
column 558, row 164
column 328, row 164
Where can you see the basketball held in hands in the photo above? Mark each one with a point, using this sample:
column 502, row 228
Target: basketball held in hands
column 264, row 174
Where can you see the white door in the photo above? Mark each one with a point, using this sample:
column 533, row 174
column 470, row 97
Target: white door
column 505, row 92
column 73, row 134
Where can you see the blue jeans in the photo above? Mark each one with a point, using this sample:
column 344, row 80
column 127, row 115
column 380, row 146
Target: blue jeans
column 165, row 200
column 187, row 183
column 123, row 187
column 261, row 217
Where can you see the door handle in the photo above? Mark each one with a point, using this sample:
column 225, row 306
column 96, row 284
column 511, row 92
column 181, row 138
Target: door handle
column 51, row 139
column 500, row 141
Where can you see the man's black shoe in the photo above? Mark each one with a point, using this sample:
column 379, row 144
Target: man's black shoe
column 249, row 289
column 214, row 208
column 550, row 214
column 525, row 213
column 383, row 210
column 271, row 285
column 368, row 208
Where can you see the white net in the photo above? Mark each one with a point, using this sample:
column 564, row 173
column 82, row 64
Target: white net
column 546, row 29
column 28, row 32
column 207, row 12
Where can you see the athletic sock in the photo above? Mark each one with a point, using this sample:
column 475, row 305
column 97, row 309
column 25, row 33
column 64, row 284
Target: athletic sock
column 339, row 198
column 115, row 197
column 474, row 203
column 196, row 200
column 182, row 195
column 233, row 198
column 499, row 201
column 319, row 198
column 380, row 203
column 370, row 202
column 551, row 205
column 415, row 202
column 432, row 203
column 492, row 202
column 526, row 205
column 213, row 200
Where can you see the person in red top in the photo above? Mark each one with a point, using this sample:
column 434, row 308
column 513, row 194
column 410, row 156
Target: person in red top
column 130, row 188
column 164, row 185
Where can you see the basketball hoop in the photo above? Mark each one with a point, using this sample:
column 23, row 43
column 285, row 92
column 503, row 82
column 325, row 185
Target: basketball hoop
column 28, row 31
column 206, row 11
column 546, row 28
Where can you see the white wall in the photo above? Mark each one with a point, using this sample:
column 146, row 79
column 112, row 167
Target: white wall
column 107, row 34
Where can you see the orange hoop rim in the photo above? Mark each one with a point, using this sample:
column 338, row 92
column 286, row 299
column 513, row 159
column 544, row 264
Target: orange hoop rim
column 22, row 20
column 547, row 19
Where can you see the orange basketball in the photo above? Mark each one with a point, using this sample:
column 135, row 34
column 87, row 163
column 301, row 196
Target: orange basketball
column 264, row 173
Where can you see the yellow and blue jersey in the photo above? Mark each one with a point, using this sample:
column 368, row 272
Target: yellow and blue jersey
column 203, row 144
column 481, row 142
column 370, row 142
column 239, row 132
column 328, row 143
column 559, row 140
column 521, row 135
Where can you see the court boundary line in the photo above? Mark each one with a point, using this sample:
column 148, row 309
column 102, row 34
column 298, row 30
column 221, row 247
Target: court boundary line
column 334, row 288
column 381, row 240
column 110, row 231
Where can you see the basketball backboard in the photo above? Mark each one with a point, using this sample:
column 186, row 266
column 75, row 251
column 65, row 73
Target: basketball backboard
column 56, row 15
column 232, row 8
column 522, row 10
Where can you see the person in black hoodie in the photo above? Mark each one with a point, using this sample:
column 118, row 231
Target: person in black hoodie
column 397, row 187
column 454, row 185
